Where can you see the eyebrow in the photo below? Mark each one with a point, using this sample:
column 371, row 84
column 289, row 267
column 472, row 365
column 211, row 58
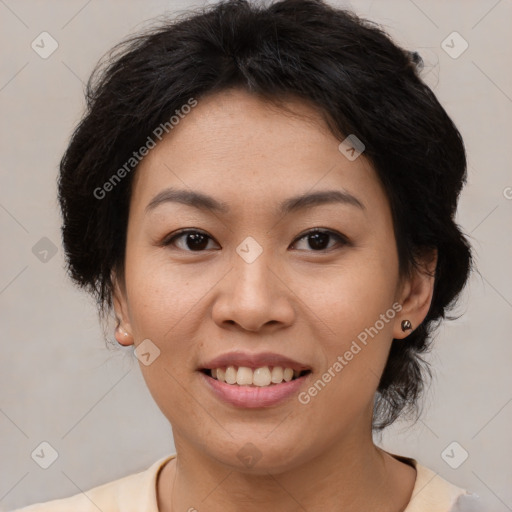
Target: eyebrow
column 208, row 203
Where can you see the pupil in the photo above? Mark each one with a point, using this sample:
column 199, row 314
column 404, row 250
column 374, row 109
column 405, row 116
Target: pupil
column 318, row 240
column 196, row 241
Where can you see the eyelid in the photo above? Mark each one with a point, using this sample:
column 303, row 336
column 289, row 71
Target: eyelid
column 323, row 230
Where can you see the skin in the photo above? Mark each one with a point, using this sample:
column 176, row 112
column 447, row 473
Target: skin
column 306, row 303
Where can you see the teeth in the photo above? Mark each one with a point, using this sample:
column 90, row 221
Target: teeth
column 261, row 377
column 231, row 374
column 244, row 376
column 277, row 374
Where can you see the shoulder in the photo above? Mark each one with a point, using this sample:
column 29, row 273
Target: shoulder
column 134, row 492
column 432, row 493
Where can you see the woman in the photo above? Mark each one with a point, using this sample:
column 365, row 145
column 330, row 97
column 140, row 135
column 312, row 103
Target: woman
column 265, row 199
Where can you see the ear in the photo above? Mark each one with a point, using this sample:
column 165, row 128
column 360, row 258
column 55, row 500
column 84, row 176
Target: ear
column 123, row 332
column 415, row 293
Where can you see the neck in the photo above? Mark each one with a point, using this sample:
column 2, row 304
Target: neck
column 351, row 476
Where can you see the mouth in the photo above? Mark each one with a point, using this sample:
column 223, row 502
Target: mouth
column 262, row 387
column 264, row 376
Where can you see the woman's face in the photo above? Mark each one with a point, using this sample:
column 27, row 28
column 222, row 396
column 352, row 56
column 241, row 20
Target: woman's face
column 248, row 280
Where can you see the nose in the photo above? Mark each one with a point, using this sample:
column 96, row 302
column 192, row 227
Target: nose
column 254, row 296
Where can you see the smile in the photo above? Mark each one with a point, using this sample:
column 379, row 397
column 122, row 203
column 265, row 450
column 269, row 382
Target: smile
column 248, row 393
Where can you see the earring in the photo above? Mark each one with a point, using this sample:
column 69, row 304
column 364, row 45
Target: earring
column 406, row 325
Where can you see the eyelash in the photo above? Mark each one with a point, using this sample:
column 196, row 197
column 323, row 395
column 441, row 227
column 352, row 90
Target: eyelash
column 342, row 240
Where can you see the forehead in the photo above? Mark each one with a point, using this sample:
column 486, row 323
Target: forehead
column 247, row 151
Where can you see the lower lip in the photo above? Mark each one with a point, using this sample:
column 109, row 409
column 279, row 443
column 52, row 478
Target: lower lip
column 254, row 396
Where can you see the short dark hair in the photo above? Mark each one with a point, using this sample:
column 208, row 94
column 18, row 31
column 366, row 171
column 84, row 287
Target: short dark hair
column 356, row 77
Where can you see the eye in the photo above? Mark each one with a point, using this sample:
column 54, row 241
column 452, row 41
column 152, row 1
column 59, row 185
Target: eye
column 191, row 240
column 318, row 239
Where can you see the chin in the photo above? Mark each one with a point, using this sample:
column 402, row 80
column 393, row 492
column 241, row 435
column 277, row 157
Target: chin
column 258, row 456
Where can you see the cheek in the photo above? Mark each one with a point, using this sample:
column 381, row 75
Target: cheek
column 354, row 356
column 162, row 300
column 352, row 296
column 161, row 295
column 362, row 324
column 356, row 303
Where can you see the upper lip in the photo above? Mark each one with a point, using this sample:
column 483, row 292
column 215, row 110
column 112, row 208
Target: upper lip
column 253, row 361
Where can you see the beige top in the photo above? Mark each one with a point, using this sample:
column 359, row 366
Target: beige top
column 137, row 493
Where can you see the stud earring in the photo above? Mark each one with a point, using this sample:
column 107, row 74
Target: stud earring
column 406, row 325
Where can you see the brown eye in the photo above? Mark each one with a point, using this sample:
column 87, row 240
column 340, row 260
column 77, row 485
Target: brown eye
column 318, row 240
column 190, row 240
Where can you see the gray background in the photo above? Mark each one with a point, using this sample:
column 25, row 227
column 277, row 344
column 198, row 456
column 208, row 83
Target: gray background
column 61, row 384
